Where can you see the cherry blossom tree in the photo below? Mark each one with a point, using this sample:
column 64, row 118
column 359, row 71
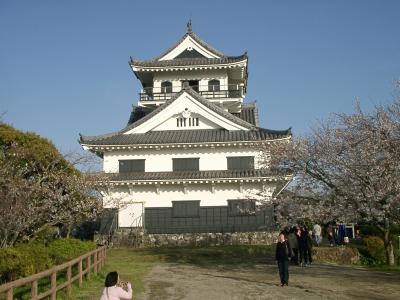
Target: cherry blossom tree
column 39, row 187
column 346, row 170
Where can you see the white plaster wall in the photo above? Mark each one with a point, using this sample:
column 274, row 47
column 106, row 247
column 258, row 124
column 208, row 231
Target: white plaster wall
column 203, row 192
column 161, row 160
column 149, row 196
column 170, row 124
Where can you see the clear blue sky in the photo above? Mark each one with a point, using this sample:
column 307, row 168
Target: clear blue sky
column 64, row 64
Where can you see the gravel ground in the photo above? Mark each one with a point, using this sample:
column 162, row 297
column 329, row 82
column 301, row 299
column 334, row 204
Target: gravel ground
column 261, row 281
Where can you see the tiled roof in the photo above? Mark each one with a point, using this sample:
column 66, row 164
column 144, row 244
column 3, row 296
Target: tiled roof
column 196, row 61
column 186, row 136
column 192, row 175
column 119, row 134
column 200, row 99
column 249, row 113
column 137, row 113
column 198, row 40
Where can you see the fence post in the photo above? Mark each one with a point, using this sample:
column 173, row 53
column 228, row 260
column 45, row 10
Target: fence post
column 95, row 263
column 53, row 285
column 34, row 290
column 88, row 266
column 100, row 254
column 69, row 276
column 10, row 294
column 80, row 273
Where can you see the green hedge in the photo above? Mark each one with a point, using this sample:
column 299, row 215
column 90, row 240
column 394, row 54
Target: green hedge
column 30, row 258
column 63, row 250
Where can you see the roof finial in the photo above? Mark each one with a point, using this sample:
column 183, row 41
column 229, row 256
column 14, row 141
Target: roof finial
column 189, row 26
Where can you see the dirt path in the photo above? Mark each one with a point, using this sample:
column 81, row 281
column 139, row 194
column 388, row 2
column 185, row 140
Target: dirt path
column 179, row 281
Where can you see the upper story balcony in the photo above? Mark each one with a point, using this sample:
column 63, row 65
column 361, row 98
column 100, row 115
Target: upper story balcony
column 207, row 91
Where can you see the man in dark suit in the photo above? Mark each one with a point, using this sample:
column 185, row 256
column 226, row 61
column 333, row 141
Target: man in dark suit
column 282, row 256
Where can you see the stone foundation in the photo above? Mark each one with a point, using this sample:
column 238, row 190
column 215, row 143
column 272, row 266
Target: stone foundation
column 209, row 239
column 338, row 255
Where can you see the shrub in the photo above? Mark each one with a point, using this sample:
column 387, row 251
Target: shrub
column 63, row 250
column 10, row 264
column 368, row 229
column 30, row 258
column 23, row 260
column 375, row 249
column 36, row 256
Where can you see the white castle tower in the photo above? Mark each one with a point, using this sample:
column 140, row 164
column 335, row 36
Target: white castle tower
column 188, row 155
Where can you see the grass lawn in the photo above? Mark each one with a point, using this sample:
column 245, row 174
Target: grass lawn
column 134, row 264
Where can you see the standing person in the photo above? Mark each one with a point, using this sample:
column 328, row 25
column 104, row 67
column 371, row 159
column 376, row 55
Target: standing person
column 310, row 244
column 331, row 236
column 282, row 255
column 303, row 247
column 111, row 289
column 294, row 245
column 317, row 234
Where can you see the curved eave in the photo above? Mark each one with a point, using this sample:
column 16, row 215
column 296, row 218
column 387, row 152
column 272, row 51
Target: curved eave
column 103, row 148
column 198, row 181
column 138, row 67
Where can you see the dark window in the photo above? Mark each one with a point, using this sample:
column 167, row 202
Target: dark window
column 166, row 87
column 240, row 162
column 181, row 209
column 131, row 165
column 194, row 84
column 213, row 85
column 185, row 164
column 241, row 207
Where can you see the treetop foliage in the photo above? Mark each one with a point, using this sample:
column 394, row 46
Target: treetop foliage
column 30, row 151
column 39, row 188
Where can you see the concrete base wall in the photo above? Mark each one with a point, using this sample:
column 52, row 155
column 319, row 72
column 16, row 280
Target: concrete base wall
column 210, row 239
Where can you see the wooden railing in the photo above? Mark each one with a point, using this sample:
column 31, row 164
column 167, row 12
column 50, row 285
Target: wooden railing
column 93, row 260
column 209, row 92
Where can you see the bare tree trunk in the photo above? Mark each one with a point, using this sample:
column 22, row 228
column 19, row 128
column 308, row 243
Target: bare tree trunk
column 389, row 251
column 13, row 239
column 388, row 248
column 69, row 230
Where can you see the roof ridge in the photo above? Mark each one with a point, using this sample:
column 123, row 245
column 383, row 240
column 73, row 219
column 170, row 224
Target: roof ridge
column 197, row 39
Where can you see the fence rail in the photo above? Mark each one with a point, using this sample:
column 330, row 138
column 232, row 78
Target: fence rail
column 93, row 260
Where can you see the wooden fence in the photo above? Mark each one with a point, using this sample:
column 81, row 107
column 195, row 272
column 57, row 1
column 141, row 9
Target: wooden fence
column 93, row 260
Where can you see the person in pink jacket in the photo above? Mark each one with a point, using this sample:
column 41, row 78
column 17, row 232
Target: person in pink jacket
column 112, row 291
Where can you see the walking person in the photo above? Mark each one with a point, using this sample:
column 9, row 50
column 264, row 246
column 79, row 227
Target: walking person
column 294, row 245
column 113, row 290
column 303, row 247
column 331, row 236
column 282, row 255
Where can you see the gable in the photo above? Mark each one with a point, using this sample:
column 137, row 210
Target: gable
column 190, row 53
column 188, row 44
column 187, row 113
